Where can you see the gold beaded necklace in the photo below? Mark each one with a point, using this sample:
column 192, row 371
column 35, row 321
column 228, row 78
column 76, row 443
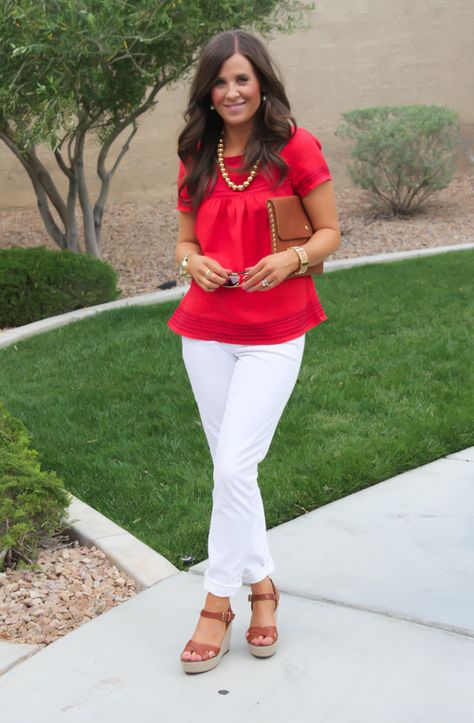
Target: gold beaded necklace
column 225, row 175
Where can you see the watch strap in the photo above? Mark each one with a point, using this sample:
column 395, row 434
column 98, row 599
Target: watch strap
column 303, row 257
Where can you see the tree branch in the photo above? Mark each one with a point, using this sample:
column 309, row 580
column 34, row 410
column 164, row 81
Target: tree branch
column 14, row 148
column 106, row 178
column 51, row 226
column 31, row 165
column 62, row 163
column 131, row 118
column 48, row 184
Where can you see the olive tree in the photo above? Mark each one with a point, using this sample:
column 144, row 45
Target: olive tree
column 74, row 69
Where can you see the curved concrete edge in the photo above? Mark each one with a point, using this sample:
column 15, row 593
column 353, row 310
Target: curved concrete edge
column 125, row 551
column 7, row 338
column 130, row 555
column 393, row 256
column 54, row 322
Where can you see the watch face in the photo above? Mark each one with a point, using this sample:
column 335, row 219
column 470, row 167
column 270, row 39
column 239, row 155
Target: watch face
column 183, row 267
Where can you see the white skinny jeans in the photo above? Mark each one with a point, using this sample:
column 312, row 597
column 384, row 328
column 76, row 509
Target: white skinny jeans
column 241, row 391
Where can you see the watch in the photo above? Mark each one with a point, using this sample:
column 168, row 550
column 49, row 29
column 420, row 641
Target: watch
column 303, row 257
column 183, row 266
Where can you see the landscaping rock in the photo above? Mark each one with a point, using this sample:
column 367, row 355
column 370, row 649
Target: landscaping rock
column 72, row 585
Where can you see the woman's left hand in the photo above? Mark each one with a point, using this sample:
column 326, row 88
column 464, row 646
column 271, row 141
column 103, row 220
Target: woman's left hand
column 271, row 270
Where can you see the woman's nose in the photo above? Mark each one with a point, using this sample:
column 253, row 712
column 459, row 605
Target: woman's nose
column 232, row 91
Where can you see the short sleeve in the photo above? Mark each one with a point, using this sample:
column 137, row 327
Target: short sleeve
column 184, row 202
column 308, row 167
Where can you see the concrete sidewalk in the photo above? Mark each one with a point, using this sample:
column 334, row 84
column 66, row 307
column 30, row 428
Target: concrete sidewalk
column 376, row 626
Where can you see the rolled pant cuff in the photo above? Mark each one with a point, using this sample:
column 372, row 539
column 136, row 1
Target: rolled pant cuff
column 251, row 578
column 220, row 590
column 216, row 588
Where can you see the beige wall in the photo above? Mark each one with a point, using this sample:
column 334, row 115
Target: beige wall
column 355, row 53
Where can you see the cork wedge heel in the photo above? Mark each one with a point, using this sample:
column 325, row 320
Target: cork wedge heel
column 208, row 662
column 268, row 631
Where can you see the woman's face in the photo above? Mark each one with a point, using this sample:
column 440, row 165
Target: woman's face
column 235, row 94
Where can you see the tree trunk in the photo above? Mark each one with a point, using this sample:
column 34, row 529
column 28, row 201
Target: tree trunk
column 47, row 192
column 72, row 235
column 90, row 238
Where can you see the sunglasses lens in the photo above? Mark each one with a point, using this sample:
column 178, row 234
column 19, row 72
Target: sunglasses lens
column 233, row 280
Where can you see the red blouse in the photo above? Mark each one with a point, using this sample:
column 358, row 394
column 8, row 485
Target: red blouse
column 232, row 227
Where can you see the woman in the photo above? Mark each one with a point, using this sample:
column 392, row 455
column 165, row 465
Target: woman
column 243, row 320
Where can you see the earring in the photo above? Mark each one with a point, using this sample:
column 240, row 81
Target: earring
column 264, row 97
column 211, row 107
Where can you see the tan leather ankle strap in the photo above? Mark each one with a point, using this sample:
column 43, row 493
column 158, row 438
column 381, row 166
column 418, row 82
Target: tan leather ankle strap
column 225, row 616
column 263, row 596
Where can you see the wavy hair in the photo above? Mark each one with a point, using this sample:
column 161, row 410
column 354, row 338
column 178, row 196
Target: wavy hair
column 197, row 142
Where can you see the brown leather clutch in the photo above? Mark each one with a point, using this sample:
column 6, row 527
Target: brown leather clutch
column 290, row 226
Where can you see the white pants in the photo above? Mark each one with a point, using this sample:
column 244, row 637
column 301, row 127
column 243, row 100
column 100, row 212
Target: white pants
column 241, row 392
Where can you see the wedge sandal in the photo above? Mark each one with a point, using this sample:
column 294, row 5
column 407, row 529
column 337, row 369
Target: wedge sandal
column 208, row 662
column 268, row 631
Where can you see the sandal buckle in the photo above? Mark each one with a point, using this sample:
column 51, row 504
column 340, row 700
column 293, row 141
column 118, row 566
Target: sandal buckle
column 226, row 616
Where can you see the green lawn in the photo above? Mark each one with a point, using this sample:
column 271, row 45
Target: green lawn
column 386, row 385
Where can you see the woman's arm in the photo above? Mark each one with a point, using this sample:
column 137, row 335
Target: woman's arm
column 320, row 205
column 198, row 264
column 186, row 242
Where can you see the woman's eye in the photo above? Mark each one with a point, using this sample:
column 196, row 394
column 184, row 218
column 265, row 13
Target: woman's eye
column 219, row 82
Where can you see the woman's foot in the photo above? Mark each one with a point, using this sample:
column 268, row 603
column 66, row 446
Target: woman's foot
column 208, row 630
column 263, row 612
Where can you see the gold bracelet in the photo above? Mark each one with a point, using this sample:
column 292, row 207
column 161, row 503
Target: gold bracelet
column 303, row 257
column 183, row 266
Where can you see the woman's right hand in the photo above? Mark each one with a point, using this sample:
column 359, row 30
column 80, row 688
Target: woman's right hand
column 207, row 272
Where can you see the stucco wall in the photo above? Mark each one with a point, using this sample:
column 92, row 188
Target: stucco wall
column 353, row 54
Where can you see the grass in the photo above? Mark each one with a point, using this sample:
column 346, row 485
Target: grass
column 386, row 385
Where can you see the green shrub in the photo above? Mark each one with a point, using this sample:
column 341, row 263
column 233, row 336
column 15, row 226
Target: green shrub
column 37, row 282
column 402, row 154
column 33, row 502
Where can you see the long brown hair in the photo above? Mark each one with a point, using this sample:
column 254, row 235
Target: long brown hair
column 198, row 140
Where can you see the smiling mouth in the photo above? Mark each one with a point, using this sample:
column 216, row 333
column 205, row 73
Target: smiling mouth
column 235, row 105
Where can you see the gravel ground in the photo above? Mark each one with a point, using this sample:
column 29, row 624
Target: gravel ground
column 77, row 583
column 74, row 584
column 139, row 238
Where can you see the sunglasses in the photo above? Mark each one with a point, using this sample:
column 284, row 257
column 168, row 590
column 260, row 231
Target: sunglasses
column 235, row 279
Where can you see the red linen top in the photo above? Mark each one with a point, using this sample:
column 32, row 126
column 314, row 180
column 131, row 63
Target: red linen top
column 232, row 227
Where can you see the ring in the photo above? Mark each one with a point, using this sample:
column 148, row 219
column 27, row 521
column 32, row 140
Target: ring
column 265, row 283
column 209, row 273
